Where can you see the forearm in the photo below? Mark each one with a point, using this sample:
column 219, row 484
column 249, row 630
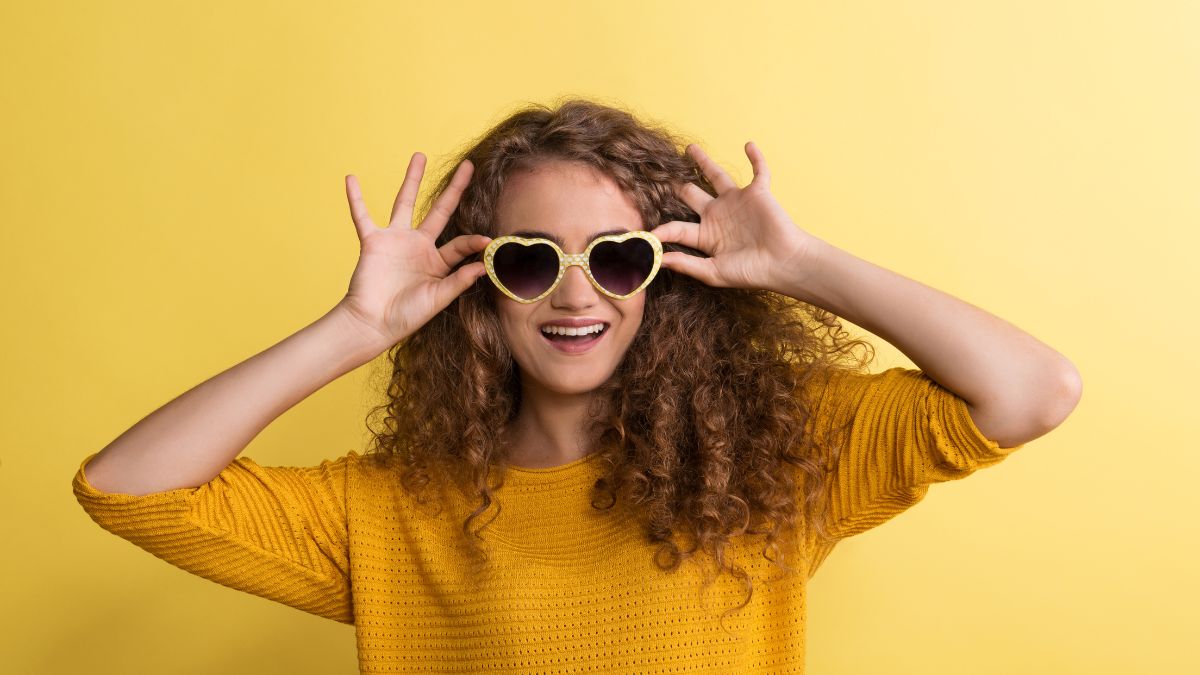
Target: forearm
column 191, row 439
column 987, row 361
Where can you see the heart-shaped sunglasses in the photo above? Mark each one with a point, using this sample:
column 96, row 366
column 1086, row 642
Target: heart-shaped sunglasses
column 528, row 269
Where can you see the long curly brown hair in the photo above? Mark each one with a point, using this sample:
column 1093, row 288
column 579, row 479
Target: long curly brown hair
column 714, row 450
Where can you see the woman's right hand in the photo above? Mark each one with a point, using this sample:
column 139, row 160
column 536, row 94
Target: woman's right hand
column 402, row 279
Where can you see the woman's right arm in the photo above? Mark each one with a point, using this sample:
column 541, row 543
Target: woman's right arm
column 401, row 281
column 191, row 439
column 173, row 484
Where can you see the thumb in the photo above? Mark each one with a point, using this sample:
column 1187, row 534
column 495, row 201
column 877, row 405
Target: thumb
column 458, row 282
column 691, row 265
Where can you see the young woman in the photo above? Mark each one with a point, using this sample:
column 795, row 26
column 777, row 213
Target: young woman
column 624, row 425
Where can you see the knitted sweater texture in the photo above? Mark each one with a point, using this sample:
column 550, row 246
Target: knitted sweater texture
column 567, row 588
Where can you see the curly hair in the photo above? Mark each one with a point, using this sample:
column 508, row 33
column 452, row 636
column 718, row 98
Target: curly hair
column 707, row 452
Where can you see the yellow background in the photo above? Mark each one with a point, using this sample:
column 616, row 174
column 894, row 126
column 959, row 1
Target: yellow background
column 172, row 203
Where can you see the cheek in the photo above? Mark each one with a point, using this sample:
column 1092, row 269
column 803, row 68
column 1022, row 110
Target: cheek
column 513, row 324
column 637, row 311
column 510, row 329
column 631, row 323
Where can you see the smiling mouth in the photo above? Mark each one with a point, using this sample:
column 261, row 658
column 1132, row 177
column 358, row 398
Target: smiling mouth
column 574, row 344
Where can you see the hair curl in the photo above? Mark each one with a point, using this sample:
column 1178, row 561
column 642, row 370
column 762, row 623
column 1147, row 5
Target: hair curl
column 711, row 451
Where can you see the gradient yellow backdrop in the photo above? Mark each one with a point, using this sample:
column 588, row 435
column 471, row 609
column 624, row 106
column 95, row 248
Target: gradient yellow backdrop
column 173, row 203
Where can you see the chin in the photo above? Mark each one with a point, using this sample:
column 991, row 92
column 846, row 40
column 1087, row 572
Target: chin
column 567, row 385
column 569, row 375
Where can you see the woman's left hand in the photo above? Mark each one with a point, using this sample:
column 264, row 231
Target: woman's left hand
column 750, row 239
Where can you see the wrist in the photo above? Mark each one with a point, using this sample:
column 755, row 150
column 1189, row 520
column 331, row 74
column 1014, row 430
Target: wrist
column 798, row 275
column 358, row 337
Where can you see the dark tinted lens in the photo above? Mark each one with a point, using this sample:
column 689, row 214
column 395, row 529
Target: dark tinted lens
column 622, row 266
column 526, row 271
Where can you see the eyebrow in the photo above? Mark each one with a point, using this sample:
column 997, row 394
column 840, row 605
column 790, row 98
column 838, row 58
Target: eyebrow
column 558, row 240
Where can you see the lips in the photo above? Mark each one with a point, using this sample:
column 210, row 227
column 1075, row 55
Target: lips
column 577, row 322
column 575, row 346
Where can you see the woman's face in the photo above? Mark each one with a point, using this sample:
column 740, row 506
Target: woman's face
column 572, row 202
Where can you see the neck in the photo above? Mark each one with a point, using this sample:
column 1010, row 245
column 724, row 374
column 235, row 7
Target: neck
column 549, row 429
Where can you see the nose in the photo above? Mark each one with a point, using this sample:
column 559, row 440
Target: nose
column 575, row 289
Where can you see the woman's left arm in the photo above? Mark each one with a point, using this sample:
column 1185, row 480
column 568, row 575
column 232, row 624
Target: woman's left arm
column 1016, row 387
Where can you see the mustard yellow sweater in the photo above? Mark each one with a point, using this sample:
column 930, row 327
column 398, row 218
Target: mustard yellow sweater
column 568, row 589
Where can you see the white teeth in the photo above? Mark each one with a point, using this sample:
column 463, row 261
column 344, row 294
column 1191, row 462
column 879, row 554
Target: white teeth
column 561, row 330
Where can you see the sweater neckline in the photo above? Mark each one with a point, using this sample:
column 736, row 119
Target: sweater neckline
column 581, row 470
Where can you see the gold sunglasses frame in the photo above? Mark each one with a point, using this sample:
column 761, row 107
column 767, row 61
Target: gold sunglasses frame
column 565, row 260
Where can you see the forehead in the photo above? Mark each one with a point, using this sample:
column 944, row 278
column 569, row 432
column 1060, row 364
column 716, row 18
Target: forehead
column 564, row 201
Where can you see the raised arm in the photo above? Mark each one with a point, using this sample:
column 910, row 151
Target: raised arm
column 401, row 281
column 1016, row 387
column 173, row 484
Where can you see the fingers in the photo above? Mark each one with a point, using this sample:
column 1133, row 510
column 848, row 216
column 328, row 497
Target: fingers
column 457, row 249
column 759, row 163
column 439, row 215
column 681, row 232
column 695, row 197
column 358, row 210
column 458, row 281
column 455, row 284
column 406, row 199
column 693, row 266
column 712, row 171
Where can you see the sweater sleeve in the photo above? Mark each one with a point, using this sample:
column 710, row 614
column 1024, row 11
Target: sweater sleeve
column 903, row 432
column 277, row 532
